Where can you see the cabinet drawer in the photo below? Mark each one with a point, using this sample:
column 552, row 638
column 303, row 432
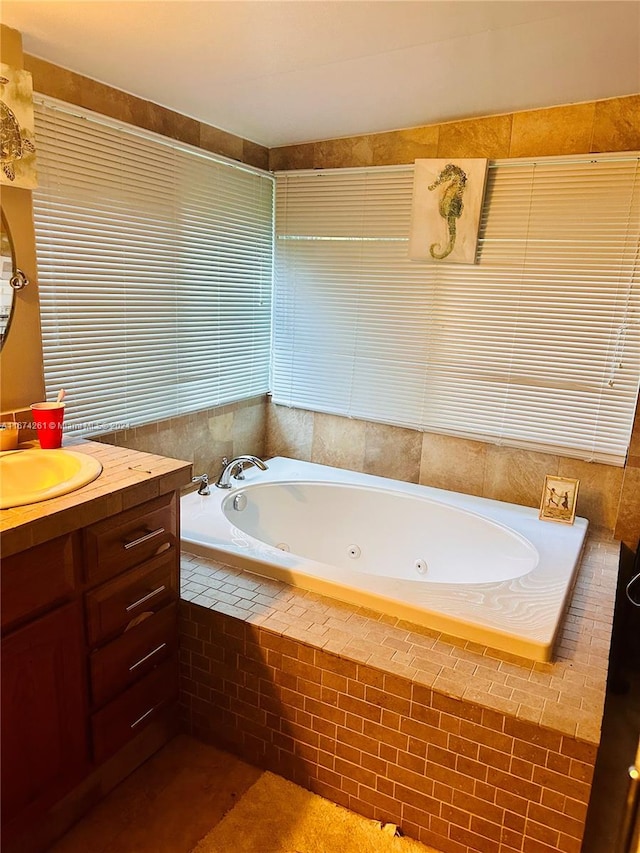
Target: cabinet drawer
column 127, row 715
column 133, row 654
column 112, row 607
column 35, row 580
column 130, row 538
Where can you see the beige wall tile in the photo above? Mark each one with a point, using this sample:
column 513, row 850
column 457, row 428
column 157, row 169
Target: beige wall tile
column 229, row 431
column 627, row 527
column 599, row 490
column 147, row 430
column 560, row 130
column 211, row 436
column 617, row 124
column 517, row 476
column 292, row 157
column 117, row 104
column 174, row 439
column 250, row 429
column 338, row 441
column 51, row 80
column 479, row 137
column 111, row 102
column 351, row 151
column 453, row 463
column 220, row 426
column 557, row 130
column 202, row 438
column 220, row 142
column 405, row 146
column 256, row 155
column 392, row 451
column 289, row 432
column 166, row 122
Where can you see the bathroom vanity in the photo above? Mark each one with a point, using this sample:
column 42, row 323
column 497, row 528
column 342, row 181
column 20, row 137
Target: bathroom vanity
column 90, row 588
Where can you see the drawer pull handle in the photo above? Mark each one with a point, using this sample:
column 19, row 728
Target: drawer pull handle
column 146, row 657
column 146, row 598
column 142, row 539
column 144, row 716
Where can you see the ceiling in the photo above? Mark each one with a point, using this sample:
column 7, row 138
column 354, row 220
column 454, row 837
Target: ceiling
column 279, row 72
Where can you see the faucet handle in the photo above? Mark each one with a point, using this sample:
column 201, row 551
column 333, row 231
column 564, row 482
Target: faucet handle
column 203, row 479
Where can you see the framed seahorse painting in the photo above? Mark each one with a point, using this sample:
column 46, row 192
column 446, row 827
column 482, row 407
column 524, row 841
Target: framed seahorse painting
column 447, row 204
column 17, row 129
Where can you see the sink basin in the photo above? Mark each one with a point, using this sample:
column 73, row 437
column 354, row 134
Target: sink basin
column 29, row 476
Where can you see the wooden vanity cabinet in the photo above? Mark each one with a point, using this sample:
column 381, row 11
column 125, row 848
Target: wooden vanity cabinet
column 89, row 661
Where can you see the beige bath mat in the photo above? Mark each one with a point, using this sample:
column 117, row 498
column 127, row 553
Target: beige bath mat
column 276, row 816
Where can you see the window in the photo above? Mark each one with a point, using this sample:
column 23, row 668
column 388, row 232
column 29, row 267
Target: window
column 537, row 345
column 155, row 271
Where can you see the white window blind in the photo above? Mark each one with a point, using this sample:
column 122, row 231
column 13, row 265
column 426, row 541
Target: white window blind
column 155, row 272
column 537, row 345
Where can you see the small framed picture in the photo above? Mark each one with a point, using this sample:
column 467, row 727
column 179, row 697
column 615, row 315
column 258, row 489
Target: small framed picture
column 559, row 497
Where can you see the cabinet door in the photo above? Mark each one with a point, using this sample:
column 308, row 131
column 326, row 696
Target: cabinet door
column 37, row 579
column 44, row 735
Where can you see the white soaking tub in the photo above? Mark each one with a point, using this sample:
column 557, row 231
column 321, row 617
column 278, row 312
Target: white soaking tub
column 477, row 569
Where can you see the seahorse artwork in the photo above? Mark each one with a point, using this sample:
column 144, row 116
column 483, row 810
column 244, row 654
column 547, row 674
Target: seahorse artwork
column 450, row 205
column 446, row 210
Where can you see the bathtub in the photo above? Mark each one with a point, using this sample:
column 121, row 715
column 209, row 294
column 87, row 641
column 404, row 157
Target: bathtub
column 481, row 570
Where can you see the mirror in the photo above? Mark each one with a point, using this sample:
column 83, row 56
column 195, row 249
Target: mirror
column 11, row 279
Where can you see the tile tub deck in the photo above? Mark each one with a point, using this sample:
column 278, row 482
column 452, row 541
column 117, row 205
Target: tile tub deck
column 466, row 748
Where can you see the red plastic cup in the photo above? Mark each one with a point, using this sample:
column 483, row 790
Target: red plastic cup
column 47, row 419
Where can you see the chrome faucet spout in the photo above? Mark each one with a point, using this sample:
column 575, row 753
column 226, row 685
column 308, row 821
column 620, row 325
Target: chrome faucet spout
column 235, row 467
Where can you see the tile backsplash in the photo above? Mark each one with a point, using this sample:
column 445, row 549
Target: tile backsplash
column 202, row 438
column 609, row 496
column 606, row 497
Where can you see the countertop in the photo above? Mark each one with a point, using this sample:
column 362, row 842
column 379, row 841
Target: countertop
column 128, row 478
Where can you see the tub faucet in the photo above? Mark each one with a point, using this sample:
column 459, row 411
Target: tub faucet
column 234, row 469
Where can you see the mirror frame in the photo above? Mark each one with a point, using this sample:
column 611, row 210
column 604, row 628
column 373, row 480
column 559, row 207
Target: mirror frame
column 18, row 279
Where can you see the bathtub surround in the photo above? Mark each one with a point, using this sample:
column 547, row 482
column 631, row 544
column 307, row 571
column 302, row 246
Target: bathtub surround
column 465, row 748
column 607, row 496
